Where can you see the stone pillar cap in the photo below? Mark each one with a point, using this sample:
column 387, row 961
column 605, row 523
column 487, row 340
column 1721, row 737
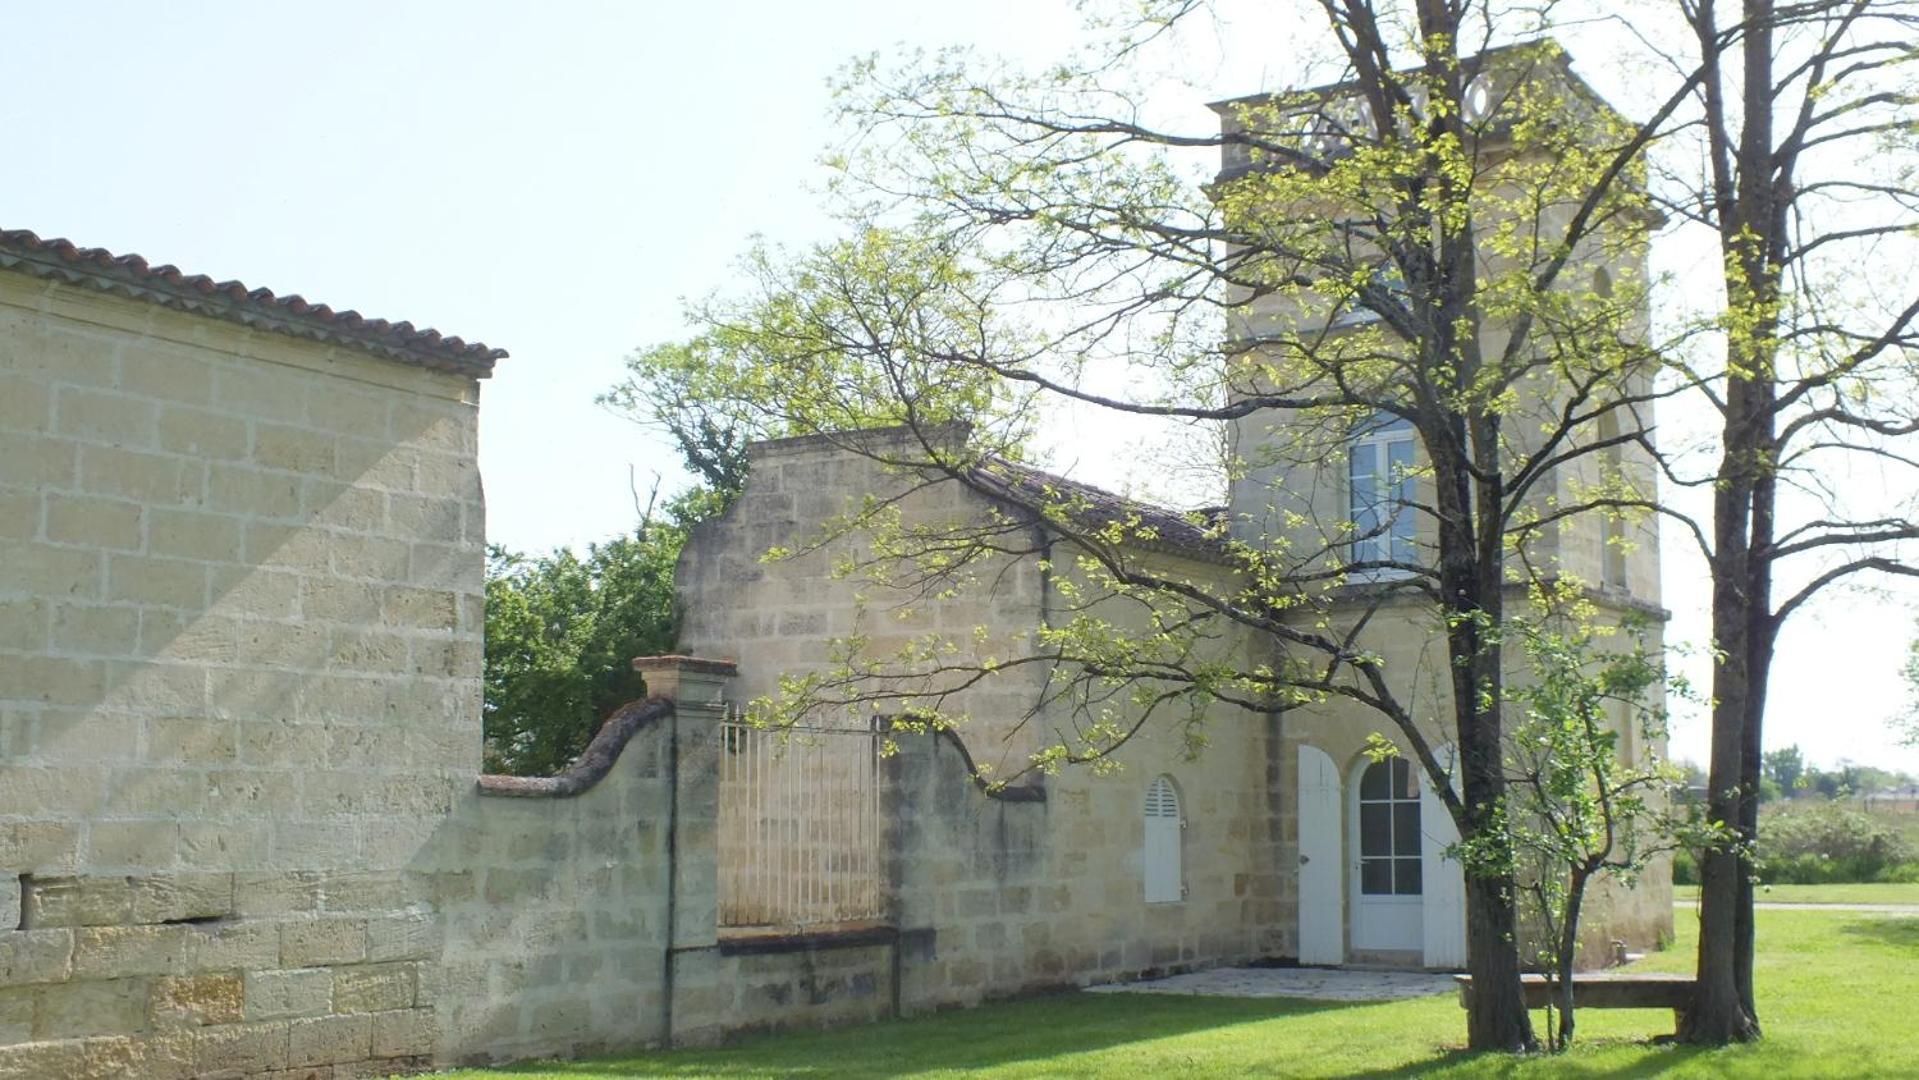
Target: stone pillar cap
column 701, row 664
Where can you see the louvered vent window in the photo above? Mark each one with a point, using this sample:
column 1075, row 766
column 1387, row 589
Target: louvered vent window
column 1161, row 856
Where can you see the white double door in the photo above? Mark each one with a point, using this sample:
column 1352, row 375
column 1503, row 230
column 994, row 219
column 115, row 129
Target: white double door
column 1373, row 871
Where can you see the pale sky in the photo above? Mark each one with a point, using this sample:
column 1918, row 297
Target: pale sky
column 552, row 179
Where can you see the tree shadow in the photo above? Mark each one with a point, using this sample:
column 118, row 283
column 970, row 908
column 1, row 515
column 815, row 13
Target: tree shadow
column 1035, row 1031
column 1660, row 1060
column 1900, row 932
column 998, row 1034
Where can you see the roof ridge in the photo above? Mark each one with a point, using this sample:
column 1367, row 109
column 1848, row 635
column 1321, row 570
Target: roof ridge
column 1190, row 532
column 132, row 276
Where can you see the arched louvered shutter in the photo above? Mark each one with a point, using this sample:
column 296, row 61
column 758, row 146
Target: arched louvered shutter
column 1160, row 858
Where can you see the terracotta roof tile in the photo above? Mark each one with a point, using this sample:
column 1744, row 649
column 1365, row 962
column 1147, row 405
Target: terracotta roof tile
column 132, row 276
column 1193, row 533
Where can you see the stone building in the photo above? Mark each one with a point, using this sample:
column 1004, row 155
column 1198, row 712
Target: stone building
column 1279, row 845
column 242, row 829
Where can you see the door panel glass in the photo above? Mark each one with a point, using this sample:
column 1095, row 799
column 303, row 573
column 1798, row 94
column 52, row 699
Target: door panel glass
column 1406, row 877
column 1389, row 832
column 1405, row 828
column 1375, row 833
column 1373, row 783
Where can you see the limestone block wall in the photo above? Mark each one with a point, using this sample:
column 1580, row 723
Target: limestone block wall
column 1001, row 897
column 992, row 897
column 780, row 617
column 240, row 619
column 553, row 904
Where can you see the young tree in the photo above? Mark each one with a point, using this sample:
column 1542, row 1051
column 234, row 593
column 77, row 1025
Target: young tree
column 1406, row 255
column 1805, row 125
column 1590, row 787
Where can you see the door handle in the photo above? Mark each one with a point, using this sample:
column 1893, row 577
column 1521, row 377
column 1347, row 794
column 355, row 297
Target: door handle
column 1304, row 859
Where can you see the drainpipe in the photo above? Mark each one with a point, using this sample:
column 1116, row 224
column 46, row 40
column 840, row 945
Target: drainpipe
column 672, row 876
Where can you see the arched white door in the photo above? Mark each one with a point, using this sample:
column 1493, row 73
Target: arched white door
column 1321, row 909
column 1388, row 878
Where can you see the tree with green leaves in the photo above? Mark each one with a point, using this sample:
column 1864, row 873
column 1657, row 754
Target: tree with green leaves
column 1799, row 156
column 1408, row 252
column 1785, row 768
column 1591, row 787
column 561, row 633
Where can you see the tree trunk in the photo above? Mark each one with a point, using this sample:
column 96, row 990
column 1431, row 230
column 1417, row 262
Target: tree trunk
column 1498, row 1019
column 1758, row 669
column 1752, row 236
column 1568, row 946
column 1719, row 1014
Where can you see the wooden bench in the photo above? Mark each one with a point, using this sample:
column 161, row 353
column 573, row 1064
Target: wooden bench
column 1604, row 990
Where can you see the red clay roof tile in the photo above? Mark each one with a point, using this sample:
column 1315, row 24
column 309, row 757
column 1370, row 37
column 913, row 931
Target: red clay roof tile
column 131, row 276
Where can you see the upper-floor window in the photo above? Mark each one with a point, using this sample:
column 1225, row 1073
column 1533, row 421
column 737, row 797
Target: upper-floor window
column 1380, row 491
column 1387, row 279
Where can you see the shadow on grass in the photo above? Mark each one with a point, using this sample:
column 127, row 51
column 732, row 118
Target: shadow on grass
column 1660, row 1060
column 1000, row 1034
column 1027, row 1035
column 1898, row 932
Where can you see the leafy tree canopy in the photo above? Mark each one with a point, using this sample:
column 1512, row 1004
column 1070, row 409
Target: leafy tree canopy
column 561, row 632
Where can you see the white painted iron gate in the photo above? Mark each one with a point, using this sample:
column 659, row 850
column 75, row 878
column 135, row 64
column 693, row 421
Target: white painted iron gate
column 800, row 837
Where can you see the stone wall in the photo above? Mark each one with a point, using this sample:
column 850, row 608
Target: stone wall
column 240, row 621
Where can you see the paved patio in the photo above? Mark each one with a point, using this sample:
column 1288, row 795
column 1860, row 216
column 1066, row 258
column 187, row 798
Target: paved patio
column 1318, row 984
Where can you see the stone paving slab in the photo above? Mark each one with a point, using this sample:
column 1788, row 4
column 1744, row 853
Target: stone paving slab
column 1316, row 984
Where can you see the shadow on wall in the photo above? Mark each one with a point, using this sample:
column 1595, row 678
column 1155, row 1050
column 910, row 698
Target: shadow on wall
column 264, row 650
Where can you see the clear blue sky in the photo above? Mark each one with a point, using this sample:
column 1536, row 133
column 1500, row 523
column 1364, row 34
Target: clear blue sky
column 551, row 179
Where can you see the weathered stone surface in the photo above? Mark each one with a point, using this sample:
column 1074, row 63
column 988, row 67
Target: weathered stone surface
column 278, row 995
column 241, row 1048
column 16, row 1015
column 107, row 952
column 372, row 988
column 244, row 945
column 275, row 892
column 35, row 956
column 176, row 897
column 328, row 1039
column 308, row 942
column 91, row 1007
column 403, row 1033
column 107, row 1058
column 403, row 937
column 198, row 999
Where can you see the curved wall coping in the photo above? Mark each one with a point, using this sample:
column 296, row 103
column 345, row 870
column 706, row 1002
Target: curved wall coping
column 592, row 765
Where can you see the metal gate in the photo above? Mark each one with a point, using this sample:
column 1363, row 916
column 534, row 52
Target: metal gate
column 799, row 826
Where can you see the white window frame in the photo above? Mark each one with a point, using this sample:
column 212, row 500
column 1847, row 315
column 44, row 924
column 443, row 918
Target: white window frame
column 1388, row 488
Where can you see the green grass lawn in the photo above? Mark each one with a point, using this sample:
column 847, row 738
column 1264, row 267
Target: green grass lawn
column 1836, row 994
column 1868, row 893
